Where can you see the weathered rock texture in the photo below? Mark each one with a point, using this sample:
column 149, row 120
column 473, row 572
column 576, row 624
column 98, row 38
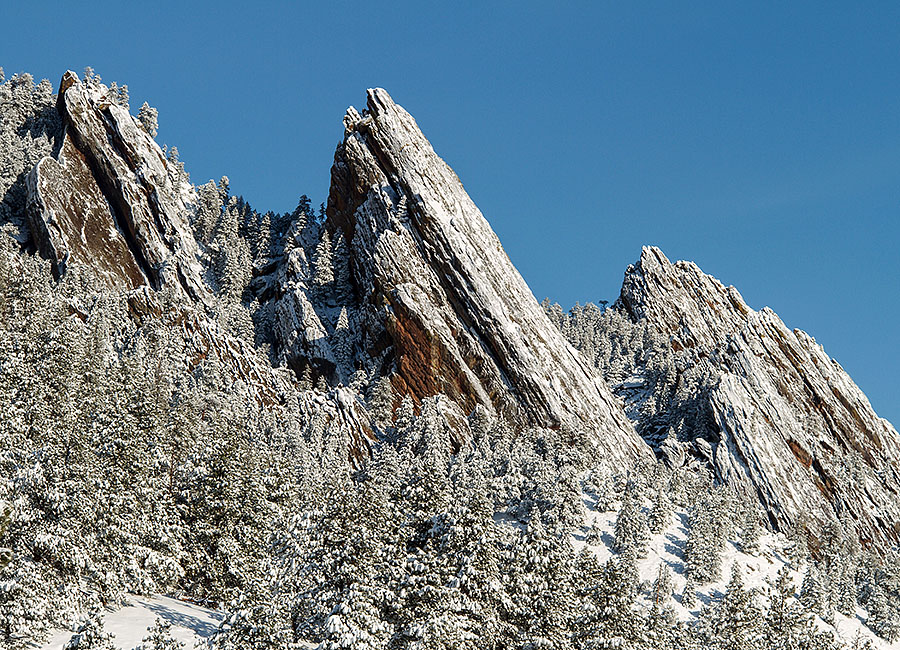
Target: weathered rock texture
column 793, row 428
column 111, row 201
column 442, row 295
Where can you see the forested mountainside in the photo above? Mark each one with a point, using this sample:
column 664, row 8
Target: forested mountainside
column 356, row 427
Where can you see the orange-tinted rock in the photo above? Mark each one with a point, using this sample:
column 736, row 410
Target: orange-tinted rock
column 793, row 428
column 434, row 281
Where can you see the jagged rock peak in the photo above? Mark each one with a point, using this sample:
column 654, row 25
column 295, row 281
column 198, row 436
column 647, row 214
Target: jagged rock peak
column 654, row 285
column 110, row 200
column 793, row 428
column 443, row 297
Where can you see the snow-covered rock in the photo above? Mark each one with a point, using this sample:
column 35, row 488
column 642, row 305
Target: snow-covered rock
column 440, row 291
column 111, row 201
column 793, row 428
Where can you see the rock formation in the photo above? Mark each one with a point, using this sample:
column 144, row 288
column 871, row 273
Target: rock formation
column 441, row 296
column 111, row 201
column 792, row 427
column 111, row 204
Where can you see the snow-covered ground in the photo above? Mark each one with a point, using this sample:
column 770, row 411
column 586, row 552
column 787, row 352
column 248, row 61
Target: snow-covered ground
column 668, row 547
column 190, row 623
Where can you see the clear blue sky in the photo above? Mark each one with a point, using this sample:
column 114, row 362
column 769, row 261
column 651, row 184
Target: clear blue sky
column 762, row 143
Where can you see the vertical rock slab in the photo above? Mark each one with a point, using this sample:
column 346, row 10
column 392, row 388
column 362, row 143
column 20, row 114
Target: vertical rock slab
column 71, row 219
column 106, row 155
column 793, row 428
column 441, row 292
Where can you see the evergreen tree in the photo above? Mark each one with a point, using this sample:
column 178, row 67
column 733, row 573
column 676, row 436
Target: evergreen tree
column 632, row 533
column 703, row 548
column 594, row 535
column 786, row 621
column 884, row 617
column 149, row 119
column 663, row 586
column 323, row 265
column 381, row 401
column 815, row 593
column 91, row 635
column 689, row 593
column 607, row 616
column 5, row 553
column 751, row 531
column 160, row 637
column 735, row 622
column 660, row 511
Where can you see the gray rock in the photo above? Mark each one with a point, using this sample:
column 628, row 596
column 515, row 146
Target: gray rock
column 793, row 427
column 439, row 289
column 111, row 201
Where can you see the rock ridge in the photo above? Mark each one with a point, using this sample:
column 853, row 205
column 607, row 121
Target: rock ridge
column 441, row 293
column 793, row 428
column 111, row 201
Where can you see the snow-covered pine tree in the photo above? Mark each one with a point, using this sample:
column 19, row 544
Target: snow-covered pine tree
column 381, row 401
column 815, row 593
column 751, row 531
column 660, row 511
column 703, row 548
column 91, row 634
column 5, row 553
column 149, row 119
column 341, row 344
column 735, row 622
column 786, row 621
column 323, row 266
column 160, row 637
column 606, row 613
column 593, row 535
column 884, row 616
column 663, row 586
column 341, row 260
column 631, row 532
column 689, row 592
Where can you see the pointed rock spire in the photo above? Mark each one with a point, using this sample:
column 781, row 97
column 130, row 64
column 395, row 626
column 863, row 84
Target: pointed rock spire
column 793, row 428
column 442, row 294
column 111, row 201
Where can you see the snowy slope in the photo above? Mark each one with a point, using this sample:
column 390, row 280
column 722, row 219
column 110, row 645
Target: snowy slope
column 190, row 623
column 668, row 548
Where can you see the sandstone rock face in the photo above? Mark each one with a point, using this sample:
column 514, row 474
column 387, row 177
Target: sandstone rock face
column 111, row 201
column 71, row 219
column 793, row 427
column 440, row 293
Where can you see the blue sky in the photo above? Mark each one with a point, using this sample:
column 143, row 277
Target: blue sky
column 762, row 143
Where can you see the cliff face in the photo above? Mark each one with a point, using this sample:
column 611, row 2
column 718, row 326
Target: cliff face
column 111, row 201
column 437, row 288
column 793, row 428
column 109, row 204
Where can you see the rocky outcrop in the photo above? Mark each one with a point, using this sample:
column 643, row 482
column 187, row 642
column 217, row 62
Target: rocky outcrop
column 111, row 201
column 792, row 427
column 442, row 297
column 339, row 408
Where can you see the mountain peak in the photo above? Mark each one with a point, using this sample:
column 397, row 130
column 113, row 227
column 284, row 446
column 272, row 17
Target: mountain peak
column 786, row 420
column 441, row 293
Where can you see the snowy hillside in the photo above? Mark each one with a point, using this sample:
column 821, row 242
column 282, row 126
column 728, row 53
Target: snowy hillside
column 129, row 625
column 759, row 571
column 354, row 427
